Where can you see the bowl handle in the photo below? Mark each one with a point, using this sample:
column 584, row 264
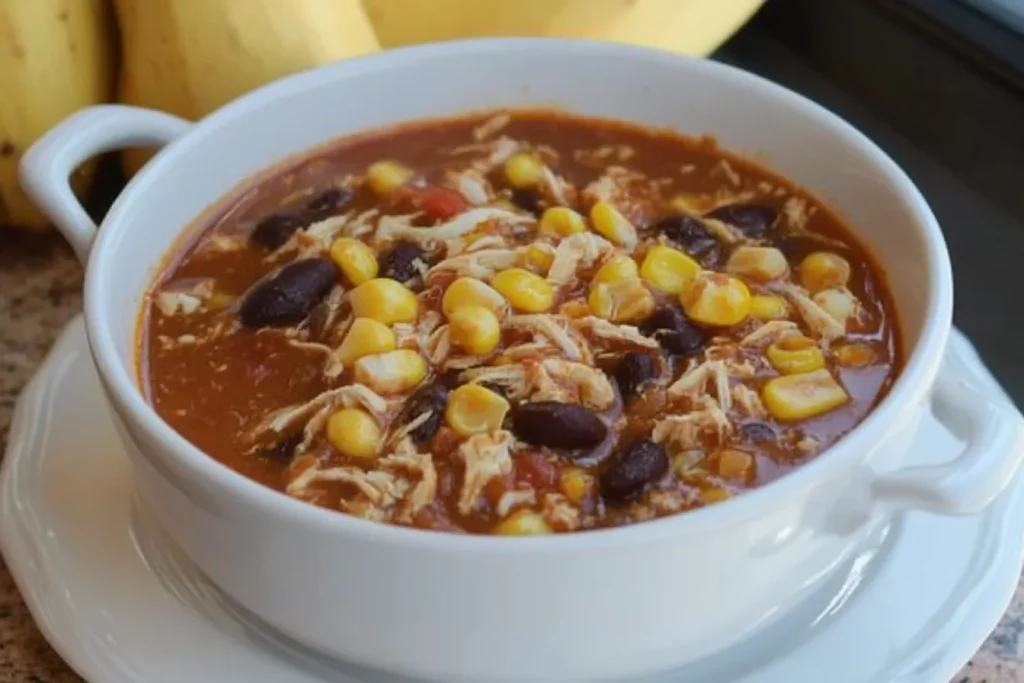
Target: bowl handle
column 47, row 166
column 975, row 409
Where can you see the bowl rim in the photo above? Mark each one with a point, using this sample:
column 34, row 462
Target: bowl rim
column 922, row 361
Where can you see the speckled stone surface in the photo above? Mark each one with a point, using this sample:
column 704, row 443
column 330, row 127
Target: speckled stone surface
column 40, row 283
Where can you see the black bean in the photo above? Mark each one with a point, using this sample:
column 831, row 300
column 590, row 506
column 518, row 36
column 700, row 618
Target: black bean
column 528, row 200
column 753, row 220
column 691, row 235
column 330, row 202
column 274, row 230
column 757, row 432
column 286, row 296
column 634, row 371
column 558, row 425
column 399, row 263
column 283, row 449
column 431, row 398
column 640, row 463
column 675, row 332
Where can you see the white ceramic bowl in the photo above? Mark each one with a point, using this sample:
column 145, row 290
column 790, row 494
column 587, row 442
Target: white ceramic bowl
column 592, row 606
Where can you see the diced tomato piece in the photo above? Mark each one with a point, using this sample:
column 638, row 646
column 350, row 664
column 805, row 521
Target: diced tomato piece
column 441, row 203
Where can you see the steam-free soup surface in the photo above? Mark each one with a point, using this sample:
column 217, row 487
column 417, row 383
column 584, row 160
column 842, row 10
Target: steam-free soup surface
column 517, row 324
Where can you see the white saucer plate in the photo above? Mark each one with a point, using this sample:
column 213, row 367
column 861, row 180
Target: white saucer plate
column 121, row 605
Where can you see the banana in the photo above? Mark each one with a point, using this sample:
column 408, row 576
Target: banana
column 55, row 57
column 690, row 26
column 189, row 57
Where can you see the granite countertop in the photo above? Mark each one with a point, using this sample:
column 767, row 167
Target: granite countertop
column 40, row 283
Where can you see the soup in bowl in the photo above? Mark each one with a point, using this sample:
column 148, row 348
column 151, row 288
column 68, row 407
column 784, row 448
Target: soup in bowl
column 517, row 323
column 547, row 392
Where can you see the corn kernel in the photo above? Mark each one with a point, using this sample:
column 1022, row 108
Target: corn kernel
column 668, row 269
column 526, row 291
column 794, row 355
column 355, row 259
column 757, row 263
column 576, row 483
column 855, row 355
column 625, row 301
column 713, row 495
column 473, row 409
column 561, row 220
column 798, row 397
column 474, row 329
column 838, row 303
column 615, row 269
column 822, row 270
column 576, row 308
column 388, row 301
column 468, row 291
column 392, row 372
column 765, row 307
column 523, row 523
column 353, row 432
column 735, row 464
column 538, row 259
column 365, row 337
column 387, row 176
column 524, row 170
column 715, row 299
column 612, row 225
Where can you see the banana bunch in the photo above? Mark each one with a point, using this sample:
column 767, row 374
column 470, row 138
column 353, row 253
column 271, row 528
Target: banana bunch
column 188, row 57
column 55, row 57
column 694, row 27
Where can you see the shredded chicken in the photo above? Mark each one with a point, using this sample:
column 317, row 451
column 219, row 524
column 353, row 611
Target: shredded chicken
column 748, row 402
column 511, row 378
column 815, row 317
column 361, row 224
column 471, row 184
column 724, row 168
column 551, row 327
column 668, row 501
column 544, row 387
column 581, row 248
column 770, row 332
column 486, row 456
column 796, row 213
column 601, row 329
column 408, row 461
column 495, row 152
column 722, row 231
column 315, row 347
column 221, row 243
column 556, row 187
column 478, row 264
column 439, row 345
column 589, row 384
column 694, row 383
column 514, row 498
column 687, row 432
column 184, row 301
column 559, row 512
column 459, row 225
column 492, row 125
column 349, row 396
